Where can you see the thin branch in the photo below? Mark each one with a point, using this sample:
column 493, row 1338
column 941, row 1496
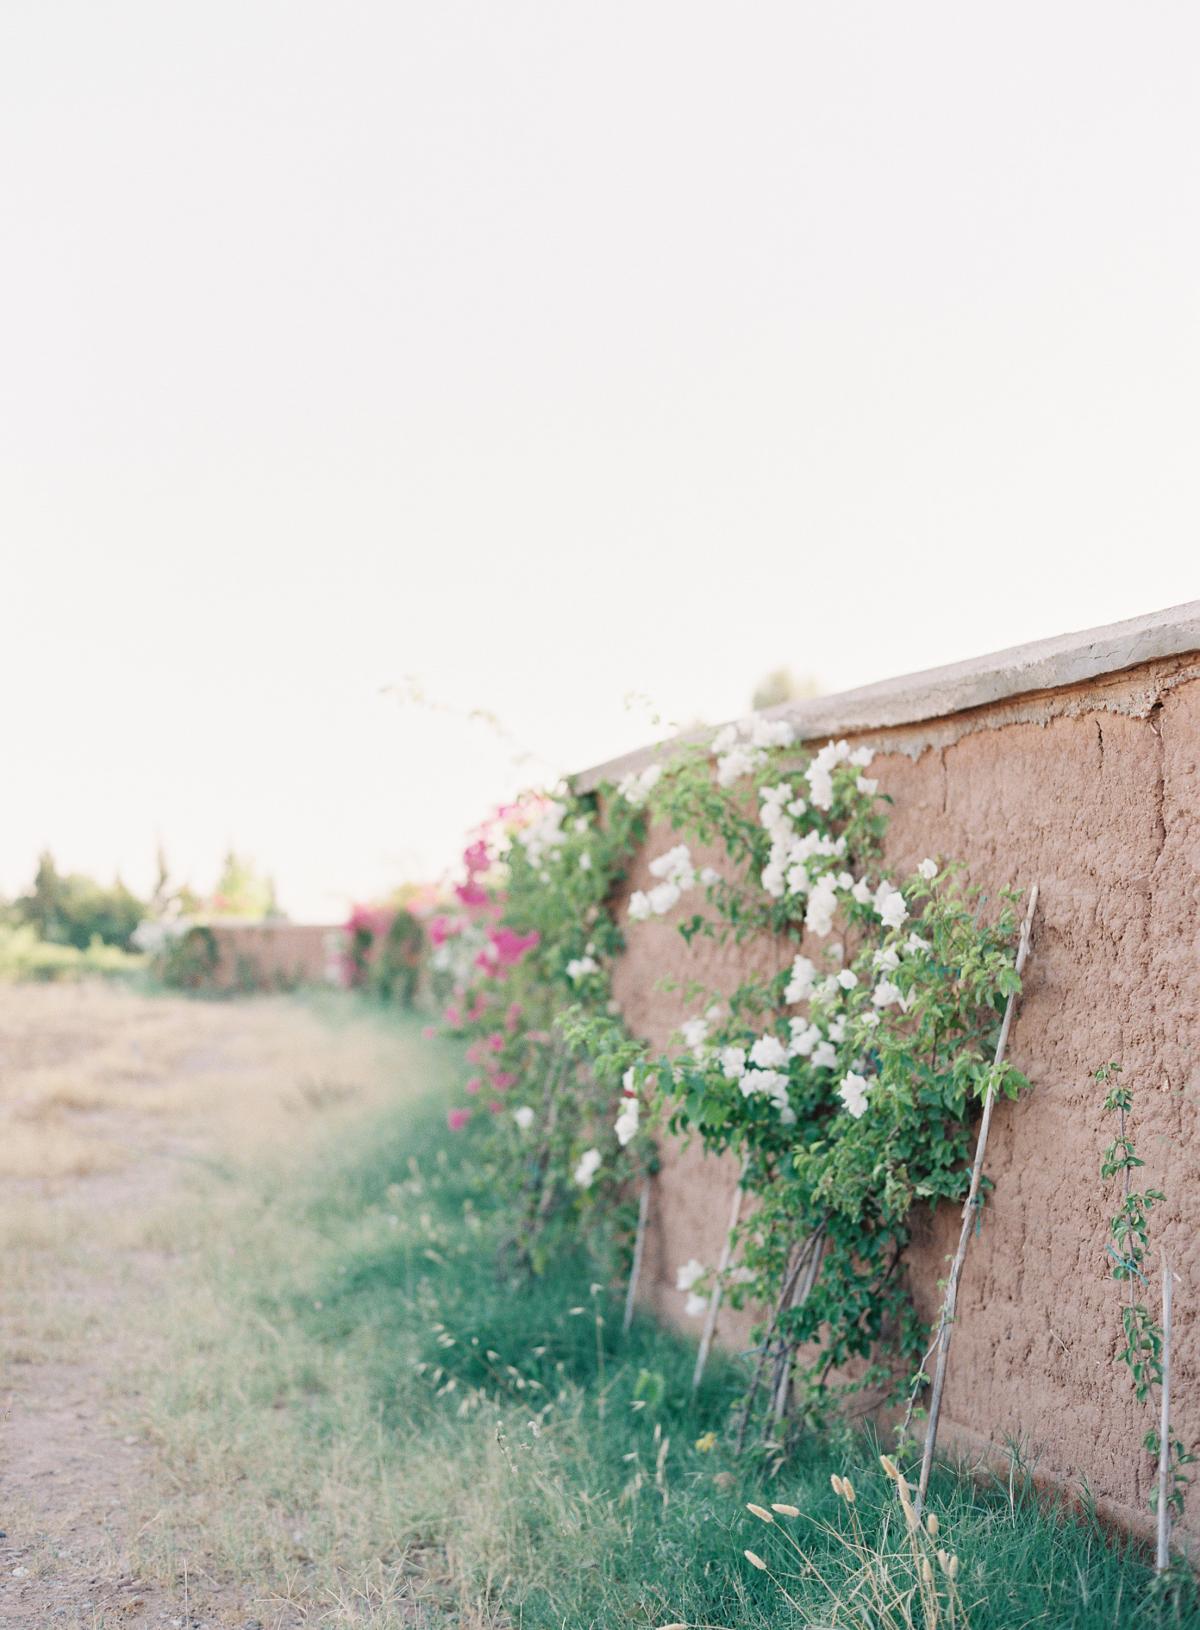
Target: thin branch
column 970, row 1211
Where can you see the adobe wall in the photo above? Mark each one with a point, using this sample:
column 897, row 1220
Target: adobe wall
column 1091, row 788
column 272, row 955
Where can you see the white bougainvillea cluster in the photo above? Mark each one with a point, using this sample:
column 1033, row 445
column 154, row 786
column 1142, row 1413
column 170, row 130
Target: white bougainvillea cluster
column 853, row 1068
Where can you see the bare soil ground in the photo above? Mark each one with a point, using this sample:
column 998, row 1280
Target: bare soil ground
column 111, row 1104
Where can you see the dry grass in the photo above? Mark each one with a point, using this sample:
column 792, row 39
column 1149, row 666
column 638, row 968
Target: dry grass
column 94, row 1077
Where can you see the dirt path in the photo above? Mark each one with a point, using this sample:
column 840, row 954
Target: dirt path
column 109, row 1104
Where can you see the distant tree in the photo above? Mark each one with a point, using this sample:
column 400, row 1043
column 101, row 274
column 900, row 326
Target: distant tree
column 72, row 909
column 242, row 891
column 782, row 685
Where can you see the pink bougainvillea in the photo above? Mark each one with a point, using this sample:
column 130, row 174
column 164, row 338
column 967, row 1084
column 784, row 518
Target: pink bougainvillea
column 456, row 1119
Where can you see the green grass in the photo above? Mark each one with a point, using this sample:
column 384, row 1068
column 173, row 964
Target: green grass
column 365, row 1411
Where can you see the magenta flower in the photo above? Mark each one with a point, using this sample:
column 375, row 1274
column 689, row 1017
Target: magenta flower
column 510, row 947
column 513, row 1016
column 475, row 1053
column 452, row 1016
column 456, row 1119
column 474, row 1084
column 503, row 1079
column 495, row 1042
column 476, row 857
column 429, row 1031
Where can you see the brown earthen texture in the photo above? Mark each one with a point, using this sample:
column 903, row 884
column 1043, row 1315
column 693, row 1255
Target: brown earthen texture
column 272, row 956
column 1101, row 809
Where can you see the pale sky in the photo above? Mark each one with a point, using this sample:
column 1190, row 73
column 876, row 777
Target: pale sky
column 549, row 353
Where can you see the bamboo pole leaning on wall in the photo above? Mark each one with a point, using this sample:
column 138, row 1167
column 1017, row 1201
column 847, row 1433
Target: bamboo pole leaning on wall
column 1162, row 1555
column 639, row 1246
column 714, row 1300
column 969, row 1214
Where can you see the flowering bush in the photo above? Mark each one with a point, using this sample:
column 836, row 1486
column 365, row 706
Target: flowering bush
column 527, row 951
column 844, row 1080
column 384, row 950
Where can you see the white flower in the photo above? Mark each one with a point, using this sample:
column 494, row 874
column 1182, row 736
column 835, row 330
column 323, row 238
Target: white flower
column 886, row 994
column 627, row 1121
column 822, row 904
column 928, row 869
column 837, row 1030
column 861, row 892
column 847, row 979
column 824, row 1056
column 805, row 1037
column 772, row 880
column 771, row 733
column 772, row 1083
column 589, row 1165
column 694, row 1033
column 663, row 896
column 695, row 1305
column 867, row 784
column 639, row 906
column 635, row 788
column 733, row 1062
column 797, row 879
column 768, row 1052
column 544, row 833
column 585, row 863
column 914, row 943
column 861, row 757
column 889, row 903
column 523, row 1117
column 828, row 989
column 870, row 1020
column 853, row 1093
column 579, row 967
column 887, row 960
column 736, row 763
column 676, row 866
column 801, row 983
column 709, row 876
column 725, row 738
column 690, row 1272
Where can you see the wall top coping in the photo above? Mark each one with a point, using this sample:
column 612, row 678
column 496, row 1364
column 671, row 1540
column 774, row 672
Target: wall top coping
column 935, row 693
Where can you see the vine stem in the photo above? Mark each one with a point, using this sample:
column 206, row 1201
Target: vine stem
column 714, row 1300
column 639, row 1245
column 970, row 1211
column 1162, row 1558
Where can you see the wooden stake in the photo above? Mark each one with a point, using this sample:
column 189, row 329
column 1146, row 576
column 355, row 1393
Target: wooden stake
column 970, row 1209
column 714, row 1300
column 639, row 1242
column 1162, row 1559
column 814, row 1248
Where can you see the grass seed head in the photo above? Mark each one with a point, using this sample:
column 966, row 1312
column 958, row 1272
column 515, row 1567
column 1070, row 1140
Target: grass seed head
column 785, row 1510
column 756, row 1561
column 931, row 1524
column 763, row 1516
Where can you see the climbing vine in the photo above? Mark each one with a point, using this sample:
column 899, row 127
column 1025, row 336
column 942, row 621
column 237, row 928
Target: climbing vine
column 843, row 1078
column 1142, row 1348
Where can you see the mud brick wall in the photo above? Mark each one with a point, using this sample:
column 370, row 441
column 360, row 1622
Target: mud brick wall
column 273, row 956
column 1088, row 784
